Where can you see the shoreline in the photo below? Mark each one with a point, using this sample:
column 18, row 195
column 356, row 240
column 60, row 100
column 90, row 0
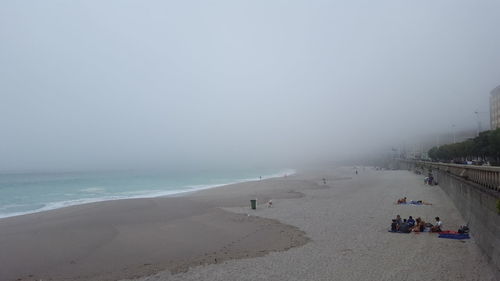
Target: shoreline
column 315, row 231
column 119, row 239
column 170, row 193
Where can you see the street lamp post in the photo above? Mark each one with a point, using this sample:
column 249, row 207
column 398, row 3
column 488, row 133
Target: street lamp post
column 479, row 129
column 454, row 135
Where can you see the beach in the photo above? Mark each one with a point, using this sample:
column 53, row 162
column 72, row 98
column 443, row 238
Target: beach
column 314, row 231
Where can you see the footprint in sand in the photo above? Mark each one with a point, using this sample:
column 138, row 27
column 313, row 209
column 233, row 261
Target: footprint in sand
column 346, row 251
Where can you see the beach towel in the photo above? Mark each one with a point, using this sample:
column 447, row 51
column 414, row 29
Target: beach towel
column 412, row 203
column 416, row 203
column 459, row 236
column 398, row 232
column 449, row 232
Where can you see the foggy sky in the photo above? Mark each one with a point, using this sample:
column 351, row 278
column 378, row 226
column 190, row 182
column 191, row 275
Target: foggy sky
column 122, row 84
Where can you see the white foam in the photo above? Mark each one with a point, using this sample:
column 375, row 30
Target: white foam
column 10, row 206
column 93, row 190
column 134, row 195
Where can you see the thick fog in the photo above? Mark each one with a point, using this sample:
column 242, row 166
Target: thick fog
column 126, row 84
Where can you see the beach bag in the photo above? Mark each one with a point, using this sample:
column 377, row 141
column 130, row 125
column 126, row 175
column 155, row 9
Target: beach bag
column 463, row 229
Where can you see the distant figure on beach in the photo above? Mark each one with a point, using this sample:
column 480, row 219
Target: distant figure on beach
column 429, row 179
column 413, row 202
column 270, row 203
column 356, row 172
column 260, row 177
column 438, row 227
column 324, row 181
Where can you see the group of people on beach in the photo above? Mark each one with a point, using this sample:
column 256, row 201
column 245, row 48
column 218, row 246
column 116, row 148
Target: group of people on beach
column 415, row 225
column 429, row 179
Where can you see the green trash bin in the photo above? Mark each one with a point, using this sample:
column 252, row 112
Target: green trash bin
column 253, row 204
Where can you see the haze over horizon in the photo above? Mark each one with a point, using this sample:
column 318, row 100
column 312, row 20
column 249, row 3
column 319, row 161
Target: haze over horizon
column 125, row 84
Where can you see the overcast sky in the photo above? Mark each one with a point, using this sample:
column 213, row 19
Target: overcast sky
column 104, row 84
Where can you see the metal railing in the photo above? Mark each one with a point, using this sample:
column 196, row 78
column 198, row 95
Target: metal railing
column 485, row 176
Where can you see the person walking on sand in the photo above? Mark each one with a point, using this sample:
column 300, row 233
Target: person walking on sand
column 324, row 181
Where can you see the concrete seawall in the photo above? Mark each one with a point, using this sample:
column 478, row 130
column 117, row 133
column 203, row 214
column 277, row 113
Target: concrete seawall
column 477, row 204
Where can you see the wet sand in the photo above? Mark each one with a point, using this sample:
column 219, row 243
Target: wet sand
column 138, row 237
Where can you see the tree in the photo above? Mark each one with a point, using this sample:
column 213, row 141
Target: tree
column 494, row 146
column 486, row 146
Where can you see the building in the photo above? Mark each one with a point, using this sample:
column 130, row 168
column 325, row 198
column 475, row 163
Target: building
column 495, row 108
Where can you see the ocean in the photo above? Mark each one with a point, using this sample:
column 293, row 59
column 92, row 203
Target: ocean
column 24, row 193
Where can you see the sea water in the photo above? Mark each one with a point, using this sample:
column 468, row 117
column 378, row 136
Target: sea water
column 24, row 193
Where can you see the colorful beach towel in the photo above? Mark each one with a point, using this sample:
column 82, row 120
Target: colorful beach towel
column 415, row 203
column 398, row 232
column 449, row 232
column 412, row 203
column 458, row 236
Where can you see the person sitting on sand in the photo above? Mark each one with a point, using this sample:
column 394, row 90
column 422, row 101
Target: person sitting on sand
column 438, row 227
column 398, row 220
column 394, row 226
column 404, row 227
column 402, row 200
column 411, row 222
column 419, row 225
column 416, row 227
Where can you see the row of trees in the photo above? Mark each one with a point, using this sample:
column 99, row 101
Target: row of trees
column 485, row 147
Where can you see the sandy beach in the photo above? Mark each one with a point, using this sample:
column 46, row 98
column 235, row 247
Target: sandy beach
column 314, row 231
